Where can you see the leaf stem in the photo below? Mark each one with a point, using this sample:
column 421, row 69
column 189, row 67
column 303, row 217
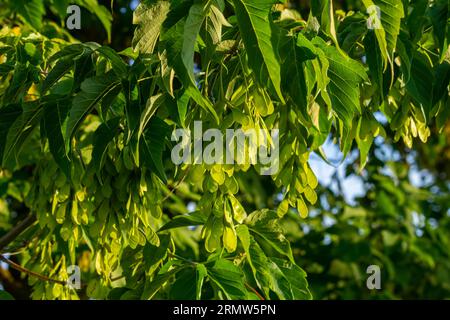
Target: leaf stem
column 173, row 255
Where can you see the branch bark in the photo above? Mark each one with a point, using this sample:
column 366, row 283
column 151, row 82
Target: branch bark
column 16, row 231
column 10, row 237
column 14, row 265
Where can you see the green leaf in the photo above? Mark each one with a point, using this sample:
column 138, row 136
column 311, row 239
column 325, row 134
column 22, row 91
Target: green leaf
column 149, row 16
column 196, row 218
column 201, row 273
column 31, row 11
column 185, row 285
column 8, row 115
column 71, row 51
column 153, row 103
column 296, row 278
column 6, row 68
column 189, row 283
column 323, row 9
column 178, row 49
column 154, row 255
column 19, row 84
column 84, row 68
column 268, row 273
column 212, row 232
column 54, row 121
column 295, row 51
column 351, row 30
column 93, row 90
column 364, row 142
column 405, row 51
column 256, row 258
column 152, row 287
column 119, row 66
column 196, row 16
column 391, row 16
column 193, row 92
column 102, row 138
column 256, row 27
column 179, row 43
column 132, row 108
column 21, row 129
column 263, row 224
column 442, row 79
column 420, row 85
column 229, row 278
column 345, row 76
column 5, row 295
column 101, row 12
column 61, row 7
column 62, row 67
column 439, row 15
column 152, row 146
column 182, row 106
column 374, row 60
column 416, row 18
column 218, row 20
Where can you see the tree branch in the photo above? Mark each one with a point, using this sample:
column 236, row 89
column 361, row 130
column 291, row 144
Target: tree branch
column 29, row 272
column 16, row 231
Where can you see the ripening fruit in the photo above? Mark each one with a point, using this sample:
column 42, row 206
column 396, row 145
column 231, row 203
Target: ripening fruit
column 212, row 232
column 61, row 213
column 232, row 185
column 156, row 211
column 239, row 213
column 74, row 211
column 298, row 186
column 127, row 158
column 143, row 187
column 107, row 190
column 210, row 185
column 32, row 93
column 310, row 195
column 302, row 208
column 262, row 102
column 61, row 180
column 217, row 174
column 66, row 230
column 229, row 239
column 197, row 173
column 84, row 217
column 311, row 178
column 283, row 208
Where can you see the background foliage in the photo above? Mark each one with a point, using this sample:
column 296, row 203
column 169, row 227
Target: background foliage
column 85, row 123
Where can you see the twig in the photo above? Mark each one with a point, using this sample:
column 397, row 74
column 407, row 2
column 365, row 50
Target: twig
column 117, row 278
column 29, row 272
column 10, row 237
column 175, row 187
column 16, row 231
column 254, row 290
column 173, row 255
